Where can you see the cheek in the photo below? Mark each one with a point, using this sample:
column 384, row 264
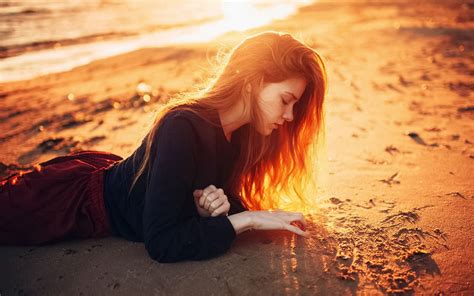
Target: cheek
column 272, row 109
column 269, row 118
column 264, row 124
column 265, row 108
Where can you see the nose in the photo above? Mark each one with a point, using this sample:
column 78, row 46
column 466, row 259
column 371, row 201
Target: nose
column 288, row 115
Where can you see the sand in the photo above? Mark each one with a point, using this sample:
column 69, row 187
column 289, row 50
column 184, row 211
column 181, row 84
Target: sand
column 396, row 195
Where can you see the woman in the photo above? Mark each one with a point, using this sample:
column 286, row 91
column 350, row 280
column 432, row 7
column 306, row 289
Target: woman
column 204, row 172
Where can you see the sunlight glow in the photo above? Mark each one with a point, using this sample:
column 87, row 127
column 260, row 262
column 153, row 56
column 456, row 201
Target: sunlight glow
column 242, row 15
column 236, row 16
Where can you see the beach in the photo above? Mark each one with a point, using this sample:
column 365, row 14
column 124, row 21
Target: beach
column 396, row 192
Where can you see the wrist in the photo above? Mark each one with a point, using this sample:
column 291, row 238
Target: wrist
column 241, row 221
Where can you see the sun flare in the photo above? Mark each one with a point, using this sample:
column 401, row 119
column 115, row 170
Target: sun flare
column 241, row 15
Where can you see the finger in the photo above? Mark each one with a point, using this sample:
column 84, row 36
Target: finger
column 224, row 208
column 216, row 203
column 303, row 220
column 197, row 193
column 283, row 219
column 292, row 217
column 298, row 224
column 213, row 197
column 209, row 189
column 209, row 199
column 298, row 217
column 274, row 221
column 296, row 230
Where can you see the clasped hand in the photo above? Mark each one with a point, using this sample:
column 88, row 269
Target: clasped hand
column 211, row 202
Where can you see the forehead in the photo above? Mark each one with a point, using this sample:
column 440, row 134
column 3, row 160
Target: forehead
column 294, row 86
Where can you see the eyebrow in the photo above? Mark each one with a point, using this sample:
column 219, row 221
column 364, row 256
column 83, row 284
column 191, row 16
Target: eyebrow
column 291, row 94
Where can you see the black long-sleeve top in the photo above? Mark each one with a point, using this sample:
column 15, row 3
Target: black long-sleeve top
column 160, row 210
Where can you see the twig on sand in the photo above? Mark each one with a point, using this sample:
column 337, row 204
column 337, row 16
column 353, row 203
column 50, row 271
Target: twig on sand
column 466, row 109
column 457, row 194
column 420, row 141
column 391, row 180
column 391, row 149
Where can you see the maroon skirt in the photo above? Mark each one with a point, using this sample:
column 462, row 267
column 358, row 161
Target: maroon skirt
column 59, row 199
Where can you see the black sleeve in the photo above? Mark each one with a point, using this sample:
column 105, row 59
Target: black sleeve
column 235, row 204
column 168, row 236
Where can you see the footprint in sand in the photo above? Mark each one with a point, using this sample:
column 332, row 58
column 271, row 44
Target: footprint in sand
column 391, row 254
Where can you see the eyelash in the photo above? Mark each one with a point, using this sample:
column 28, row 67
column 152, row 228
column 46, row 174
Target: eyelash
column 284, row 102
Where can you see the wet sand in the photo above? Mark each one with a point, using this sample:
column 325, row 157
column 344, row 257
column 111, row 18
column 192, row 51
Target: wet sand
column 396, row 195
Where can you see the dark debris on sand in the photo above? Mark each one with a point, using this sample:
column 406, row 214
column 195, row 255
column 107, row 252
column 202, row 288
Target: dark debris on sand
column 391, row 180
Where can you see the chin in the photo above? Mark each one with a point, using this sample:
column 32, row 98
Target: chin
column 265, row 132
column 268, row 132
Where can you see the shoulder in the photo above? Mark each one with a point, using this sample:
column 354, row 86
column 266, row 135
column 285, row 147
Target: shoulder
column 185, row 122
column 188, row 118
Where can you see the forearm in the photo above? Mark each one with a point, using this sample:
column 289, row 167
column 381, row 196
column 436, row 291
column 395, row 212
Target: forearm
column 241, row 221
column 196, row 238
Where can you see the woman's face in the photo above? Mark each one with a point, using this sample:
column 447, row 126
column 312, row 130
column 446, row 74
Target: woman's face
column 277, row 100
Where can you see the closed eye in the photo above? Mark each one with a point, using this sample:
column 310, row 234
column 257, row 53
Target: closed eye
column 284, row 102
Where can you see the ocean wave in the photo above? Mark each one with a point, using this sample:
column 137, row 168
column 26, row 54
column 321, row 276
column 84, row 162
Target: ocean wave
column 22, row 11
column 33, row 46
column 18, row 49
column 14, row 50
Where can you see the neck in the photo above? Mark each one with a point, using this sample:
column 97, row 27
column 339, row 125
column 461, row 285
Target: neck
column 233, row 118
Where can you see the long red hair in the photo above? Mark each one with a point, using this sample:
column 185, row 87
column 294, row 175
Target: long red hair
column 274, row 171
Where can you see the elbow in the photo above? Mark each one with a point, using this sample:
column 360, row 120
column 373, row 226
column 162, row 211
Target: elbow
column 159, row 251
